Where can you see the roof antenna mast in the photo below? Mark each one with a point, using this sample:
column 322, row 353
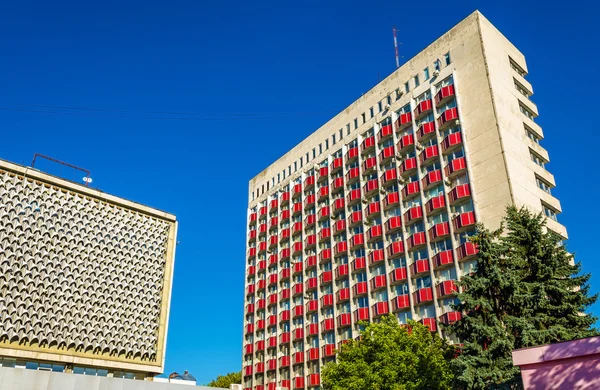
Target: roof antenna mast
column 396, row 48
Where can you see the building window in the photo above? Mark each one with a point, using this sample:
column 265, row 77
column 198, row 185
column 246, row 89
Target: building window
column 301, row 162
column 526, row 111
column 341, row 134
column 295, row 166
column 333, row 139
column 522, row 89
column 355, row 123
column 278, row 179
column 416, row 81
column 380, row 106
column 364, row 117
column 320, row 149
column 517, row 68
column 437, row 65
column 537, row 159
column 447, row 59
column 289, row 170
column 532, row 136
column 543, row 184
column 348, row 129
column 389, row 100
column 314, row 153
column 426, row 73
column 548, row 212
column 406, row 87
column 371, row 112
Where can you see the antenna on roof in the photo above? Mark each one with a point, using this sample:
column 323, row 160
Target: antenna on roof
column 396, row 47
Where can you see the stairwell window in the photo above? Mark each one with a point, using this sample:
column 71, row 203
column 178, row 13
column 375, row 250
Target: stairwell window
column 549, row 212
column 543, row 185
column 526, row 111
column 536, row 158
column 531, row 135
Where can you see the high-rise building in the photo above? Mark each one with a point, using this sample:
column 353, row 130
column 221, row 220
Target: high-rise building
column 372, row 212
column 85, row 278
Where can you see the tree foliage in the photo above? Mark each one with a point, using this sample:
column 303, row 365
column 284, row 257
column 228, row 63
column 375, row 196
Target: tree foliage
column 525, row 291
column 224, row 381
column 390, row 357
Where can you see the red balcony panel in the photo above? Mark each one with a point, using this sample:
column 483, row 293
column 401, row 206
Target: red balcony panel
column 298, row 289
column 378, row 282
column 325, row 255
column 249, row 329
column 312, row 305
column 272, row 319
column 426, row 130
column 323, row 172
column 338, row 183
column 341, row 248
column 357, row 240
column 298, row 311
column 439, row 231
column 391, row 200
column 297, row 189
column 371, row 186
column 323, row 192
column 324, row 234
column 410, row 190
column 450, row 317
column 339, row 226
column 312, row 329
column 460, row 192
column 299, row 381
column 369, row 164
column 429, row 154
column 262, row 246
column 271, row 365
column 252, row 235
column 430, row 323
column 310, row 220
column 309, row 181
column 298, row 333
column 327, row 300
column 286, row 233
column 260, row 345
column 326, row 277
column 274, row 204
column 337, row 163
column 285, row 294
column 299, row 358
column 444, row 94
column 373, row 208
column 401, row 302
column 352, row 154
column 259, row 367
column 285, row 214
column 261, row 284
column 419, row 267
column 448, row 117
column 312, row 354
column 272, row 341
column 261, row 304
column 262, row 211
column 385, row 132
column 311, row 283
column 285, row 197
column 404, row 120
column 297, row 208
column 344, row 320
column 249, row 349
column 360, row 288
column 413, row 214
column 252, row 252
column 273, row 279
column 387, row 153
column 297, row 268
column 432, row 178
column 408, row 166
column 273, row 259
column 436, row 204
column 250, row 289
column 451, row 142
column 339, row 204
column 368, row 143
column 423, row 107
column 354, row 195
column 442, row 259
column 310, row 200
column 248, row 371
column 423, row 295
column 311, row 240
column 356, row 217
column 324, row 213
column 284, row 254
column 463, row 221
column 359, row 264
column 361, row 314
column 380, row 308
column 374, row 232
column 297, row 247
column 406, row 141
column 284, row 361
column 343, row 294
column 314, row 380
column 251, row 270
column 398, row 275
column 353, row 173
column 376, row 256
column 285, row 315
column 253, row 218
column 328, row 350
column 466, row 251
column 395, row 249
column 446, row 288
column 311, row 262
column 328, row 324
column 273, row 241
column 393, row 224
column 260, row 325
column 389, row 175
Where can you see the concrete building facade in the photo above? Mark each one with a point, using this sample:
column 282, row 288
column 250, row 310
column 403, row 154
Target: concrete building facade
column 372, row 212
column 85, row 278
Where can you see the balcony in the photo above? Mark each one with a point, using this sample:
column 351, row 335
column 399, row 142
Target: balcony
column 376, row 256
column 451, row 142
column 312, row 354
column 285, row 294
column 423, row 107
column 387, row 154
column 423, row 295
column 403, row 121
column 443, row 259
column 354, row 196
column 252, row 252
column 310, row 201
column 439, row 231
column 284, row 254
column 260, row 325
column 272, row 342
column 373, row 209
column 249, row 349
column 447, row 118
column 426, row 130
column 310, row 220
column 297, row 208
column 285, row 198
column 343, row 295
column 285, row 215
column 357, row 240
column 398, row 275
column 284, row 361
column 344, row 320
column 260, row 345
column 251, row 270
column 298, row 289
column 429, row 154
column 419, row 267
column 248, row 371
column 431, row 178
column 262, row 246
column 455, row 167
column 359, row 264
column 299, row 382
column 272, row 319
column 311, row 284
column 314, row 380
column 339, row 205
column 389, row 176
column 450, row 317
column 378, row 282
column 299, row 358
column 341, row 271
column 444, row 94
column 395, row 249
column 325, row 255
column 327, row 324
column 297, row 268
column 261, row 304
column 393, row 224
column 262, row 211
column 429, row 323
column 297, row 191
column 460, row 192
column 336, row 164
column 311, row 240
column 401, row 302
column 360, row 288
column 323, row 192
column 328, row 349
column 368, row 144
column 408, row 166
column 361, row 314
column 298, row 311
column 273, row 241
column 391, row 200
column 286, row 233
column 326, row 277
column 312, row 329
column 324, row 234
column 435, row 204
column 374, row 233
column 339, row 226
column 463, row 221
column 352, row 175
column 298, row 334
column 309, row 182
column 249, row 329
column 310, row 262
column 413, row 214
column 385, row 132
column 351, row 154
column 253, row 217
column 369, row 164
column 356, row 217
column 446, row 288
column 324, row 213
column 261, row 284
column 406, row 141
column 410, row 190
column 252, row 235
column 250, row 289
column 371, row 186
column 466, row 251
column 259, row 367
column 312, row 305
column 273, row 279
column 271, row 364
column 380, row 308
column 327, row 300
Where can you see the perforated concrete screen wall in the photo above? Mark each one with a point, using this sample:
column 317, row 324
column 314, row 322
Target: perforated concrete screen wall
column 85, row 277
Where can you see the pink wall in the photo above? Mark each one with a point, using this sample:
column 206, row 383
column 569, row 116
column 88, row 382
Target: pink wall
column 569, row 365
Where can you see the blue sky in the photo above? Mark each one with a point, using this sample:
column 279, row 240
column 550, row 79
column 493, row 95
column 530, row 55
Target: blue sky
column 178, row 104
